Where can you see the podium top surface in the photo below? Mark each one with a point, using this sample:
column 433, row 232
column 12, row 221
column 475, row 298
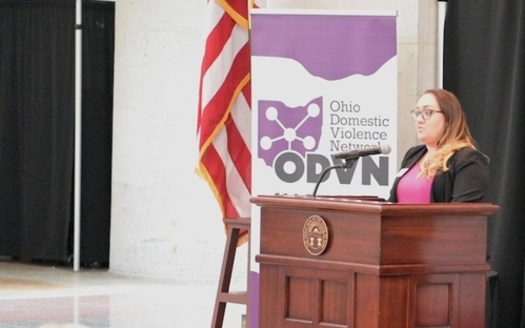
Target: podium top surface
column 372, row 204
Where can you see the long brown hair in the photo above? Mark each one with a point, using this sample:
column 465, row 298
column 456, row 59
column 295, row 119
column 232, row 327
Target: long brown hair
column 456, row 132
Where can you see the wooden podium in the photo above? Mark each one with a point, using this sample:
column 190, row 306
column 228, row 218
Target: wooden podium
column 350, row 262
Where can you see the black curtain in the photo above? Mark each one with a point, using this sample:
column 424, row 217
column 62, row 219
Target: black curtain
column 484, row 56
column 37, row 104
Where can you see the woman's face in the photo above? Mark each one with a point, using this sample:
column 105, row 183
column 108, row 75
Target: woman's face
column 429, row 131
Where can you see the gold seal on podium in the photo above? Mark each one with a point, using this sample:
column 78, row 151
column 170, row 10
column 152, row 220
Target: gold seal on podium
column 315, row 235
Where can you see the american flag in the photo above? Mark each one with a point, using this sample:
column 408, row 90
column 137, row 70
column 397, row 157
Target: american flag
column 224, row 118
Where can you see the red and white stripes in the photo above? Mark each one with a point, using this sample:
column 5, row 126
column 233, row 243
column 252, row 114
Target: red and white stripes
column 224, row 120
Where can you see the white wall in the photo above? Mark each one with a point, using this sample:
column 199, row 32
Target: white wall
column 165, row 221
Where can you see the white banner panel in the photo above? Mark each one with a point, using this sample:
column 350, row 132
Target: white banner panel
column 322, row 83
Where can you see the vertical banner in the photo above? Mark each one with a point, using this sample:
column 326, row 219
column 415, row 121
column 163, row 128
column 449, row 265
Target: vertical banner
column 323, row 82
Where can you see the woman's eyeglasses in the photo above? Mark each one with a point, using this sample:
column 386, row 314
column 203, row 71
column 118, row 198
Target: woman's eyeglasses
column 426, row 113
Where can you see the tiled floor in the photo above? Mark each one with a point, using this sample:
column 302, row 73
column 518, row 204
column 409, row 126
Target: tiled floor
column 34, row 295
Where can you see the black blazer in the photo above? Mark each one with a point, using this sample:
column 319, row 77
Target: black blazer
column 465, row 181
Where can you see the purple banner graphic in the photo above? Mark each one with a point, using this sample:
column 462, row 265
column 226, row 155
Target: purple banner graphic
column 370, row 42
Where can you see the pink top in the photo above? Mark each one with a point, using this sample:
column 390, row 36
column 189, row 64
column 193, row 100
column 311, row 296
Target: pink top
column 414, row 190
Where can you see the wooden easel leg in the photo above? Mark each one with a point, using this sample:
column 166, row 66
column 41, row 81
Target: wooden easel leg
column 224, row 296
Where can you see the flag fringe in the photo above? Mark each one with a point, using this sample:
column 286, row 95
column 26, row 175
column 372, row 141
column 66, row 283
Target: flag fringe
column 234, row 14
column 202, row 172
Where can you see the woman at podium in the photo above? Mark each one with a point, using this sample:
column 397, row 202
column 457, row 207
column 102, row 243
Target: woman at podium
column 446, row 166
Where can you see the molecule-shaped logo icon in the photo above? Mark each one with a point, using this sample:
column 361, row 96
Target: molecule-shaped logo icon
column 282, row 128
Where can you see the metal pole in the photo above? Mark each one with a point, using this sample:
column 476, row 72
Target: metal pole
column 442, row 11
column 78, row 133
